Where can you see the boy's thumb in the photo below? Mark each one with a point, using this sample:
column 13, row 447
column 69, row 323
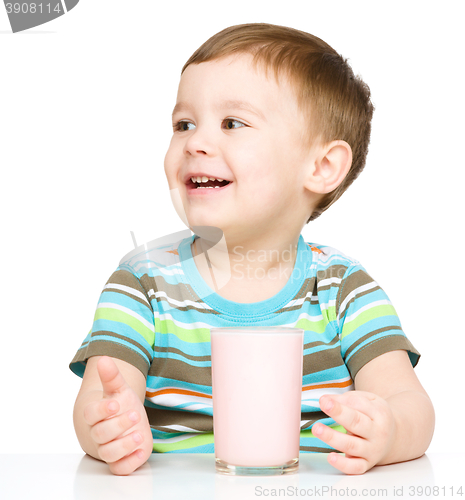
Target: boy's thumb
column 110, row 376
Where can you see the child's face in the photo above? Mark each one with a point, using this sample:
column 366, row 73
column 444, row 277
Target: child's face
column 261, row 153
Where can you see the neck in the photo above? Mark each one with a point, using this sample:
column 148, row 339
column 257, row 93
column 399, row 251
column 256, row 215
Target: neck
column 248, row 263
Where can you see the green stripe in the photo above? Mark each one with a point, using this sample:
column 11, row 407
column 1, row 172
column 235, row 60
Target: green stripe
column 125, row 318
column 329, row 314
column 364, row 317
column 193, row 336
column 192, row 442
column 307, row 433
column 314, row 326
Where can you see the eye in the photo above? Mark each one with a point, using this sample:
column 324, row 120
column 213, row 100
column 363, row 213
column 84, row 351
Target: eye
column 182, row 126
column 228, row 121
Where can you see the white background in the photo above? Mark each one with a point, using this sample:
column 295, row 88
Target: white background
column 85, row 104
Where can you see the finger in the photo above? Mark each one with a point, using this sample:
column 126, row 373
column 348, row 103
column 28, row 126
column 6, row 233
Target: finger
column 353, row 420
column 110, row 429
column 128, row 464
column 366, row 402
column 119, row 448
column 348, row 465
column 100, row 410
column 110, row 376
column 345, row 443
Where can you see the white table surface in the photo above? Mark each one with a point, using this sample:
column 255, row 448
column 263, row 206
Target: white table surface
column 193, row 476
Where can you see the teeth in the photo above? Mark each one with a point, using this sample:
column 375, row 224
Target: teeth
column 199, row 179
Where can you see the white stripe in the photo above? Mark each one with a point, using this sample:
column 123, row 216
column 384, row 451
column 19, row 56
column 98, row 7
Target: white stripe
column 167, row 272
column 302, row 299
column 175, row 439
column 129, row 290
column 312, row 319
column 196, row 407
column 172, row 400
column 111, row 305
column 324, row 382
column 329, row 281
column 186, row 326
column 331, row 303
column 181, row 428
column 353, row 293
column 312, row 396
column 178, row 303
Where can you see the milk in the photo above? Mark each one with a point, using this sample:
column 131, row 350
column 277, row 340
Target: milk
column 257, row 387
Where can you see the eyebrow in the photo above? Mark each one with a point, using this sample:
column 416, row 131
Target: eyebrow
column 229, row 104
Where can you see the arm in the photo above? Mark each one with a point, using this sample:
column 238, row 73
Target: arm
column 392, row 377
column 107, row 434
column 389, row 417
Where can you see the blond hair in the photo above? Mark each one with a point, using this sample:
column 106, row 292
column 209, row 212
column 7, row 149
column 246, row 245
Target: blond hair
column 335, row 102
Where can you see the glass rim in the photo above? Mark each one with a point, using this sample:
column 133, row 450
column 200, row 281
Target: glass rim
column 257, row 329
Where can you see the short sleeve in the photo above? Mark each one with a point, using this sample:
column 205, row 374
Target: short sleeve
column 367, row 321
column 123, row 325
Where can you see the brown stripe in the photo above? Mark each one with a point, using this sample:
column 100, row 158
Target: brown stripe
column 379, row 347
column 99, row 333
column 180, row 292
column 359, row 294
column 356, row 344
column 178, row 370
column 132, row 297
column 102, row 348
column 352, row 282
column 126, row 278
column 161, row 419
column 173, row 350
column 335, row 271
column 320, row 342
column 309, row 285
column 312, row 417
column 316, row 449
column 322, row 360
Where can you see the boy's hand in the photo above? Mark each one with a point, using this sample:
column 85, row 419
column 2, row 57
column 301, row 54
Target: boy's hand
column 119, row 424
column 370, row 426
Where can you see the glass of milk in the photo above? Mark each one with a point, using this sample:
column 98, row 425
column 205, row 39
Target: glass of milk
column 257, row 391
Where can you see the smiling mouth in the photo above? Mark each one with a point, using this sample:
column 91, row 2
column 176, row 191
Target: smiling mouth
column 207, row 186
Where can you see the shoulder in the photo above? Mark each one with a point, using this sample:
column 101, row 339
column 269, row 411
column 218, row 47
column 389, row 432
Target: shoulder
column 154, row 257
column 337, row 274
column 330, row 262
column 144, row 268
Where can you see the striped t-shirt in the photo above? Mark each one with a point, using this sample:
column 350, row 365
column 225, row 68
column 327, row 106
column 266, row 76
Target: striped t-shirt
column 156, row 312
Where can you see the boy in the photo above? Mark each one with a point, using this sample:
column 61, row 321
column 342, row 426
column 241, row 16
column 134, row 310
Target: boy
column 269, row 129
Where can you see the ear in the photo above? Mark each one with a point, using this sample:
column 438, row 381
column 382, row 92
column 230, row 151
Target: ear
column 330, row 165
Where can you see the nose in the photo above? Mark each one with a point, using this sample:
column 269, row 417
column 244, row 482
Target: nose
column 199, row 143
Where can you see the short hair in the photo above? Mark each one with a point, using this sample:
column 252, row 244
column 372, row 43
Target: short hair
column 335, row 102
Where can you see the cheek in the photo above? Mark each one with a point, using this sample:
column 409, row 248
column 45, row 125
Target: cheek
column 171, row 160
column 253, row 159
